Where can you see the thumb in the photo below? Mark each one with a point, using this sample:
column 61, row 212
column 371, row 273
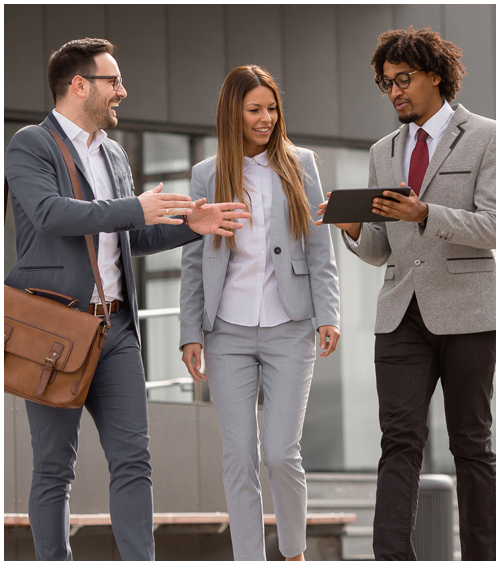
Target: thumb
column 157, row 188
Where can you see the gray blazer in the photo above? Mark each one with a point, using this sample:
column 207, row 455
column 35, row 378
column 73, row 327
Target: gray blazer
column 51, row 224
column 449, row 265
column 306, row 270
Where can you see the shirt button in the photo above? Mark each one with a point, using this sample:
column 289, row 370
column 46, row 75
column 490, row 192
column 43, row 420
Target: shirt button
column 415, row 227
column 417, row 262
column 277, row 250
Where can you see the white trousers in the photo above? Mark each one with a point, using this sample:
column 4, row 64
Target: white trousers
column 286, row 354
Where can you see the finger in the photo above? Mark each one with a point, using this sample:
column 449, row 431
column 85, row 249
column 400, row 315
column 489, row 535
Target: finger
column 395, row 195
column 319, row 223
column 157, row 188
column 402, row 184
column 176, row 211
column 231, row 205
column 225, row 233
column 176, row 199
column 200, row 202
column 235, row 215
column 231, row 225
column 322, row 337
column 168, row 220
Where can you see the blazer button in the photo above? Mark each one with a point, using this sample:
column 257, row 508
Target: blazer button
column 277, row 250
column 417, row 262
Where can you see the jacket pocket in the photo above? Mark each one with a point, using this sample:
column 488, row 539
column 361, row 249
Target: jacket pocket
column 300, row 267
column 390, row 273
column 471, row 265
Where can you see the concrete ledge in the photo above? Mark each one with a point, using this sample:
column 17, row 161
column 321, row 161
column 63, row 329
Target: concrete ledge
column 208, row 537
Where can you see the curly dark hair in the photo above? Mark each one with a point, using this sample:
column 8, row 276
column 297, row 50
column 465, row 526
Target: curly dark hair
column 421, row 48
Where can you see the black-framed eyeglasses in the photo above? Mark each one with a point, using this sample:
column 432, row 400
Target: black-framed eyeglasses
column 117, row 81
column 402, row 81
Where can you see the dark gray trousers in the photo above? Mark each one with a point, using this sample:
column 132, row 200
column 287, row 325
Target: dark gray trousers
column 117, row 404
column 409, row 362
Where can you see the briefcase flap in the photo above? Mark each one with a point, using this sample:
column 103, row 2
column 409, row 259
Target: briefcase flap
column 36, row 323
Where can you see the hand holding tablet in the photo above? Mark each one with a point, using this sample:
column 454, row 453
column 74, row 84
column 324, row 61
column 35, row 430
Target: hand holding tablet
column 355, row 205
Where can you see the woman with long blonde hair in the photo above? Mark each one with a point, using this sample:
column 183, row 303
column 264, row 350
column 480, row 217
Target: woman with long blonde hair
column 249, row 302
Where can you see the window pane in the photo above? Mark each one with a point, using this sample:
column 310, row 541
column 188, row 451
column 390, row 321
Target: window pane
column 171, row 259
column 162, row 345
column 209, row 147
column 165, row 153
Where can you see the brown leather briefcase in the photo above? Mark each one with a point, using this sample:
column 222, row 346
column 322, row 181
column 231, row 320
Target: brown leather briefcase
column 52, row 349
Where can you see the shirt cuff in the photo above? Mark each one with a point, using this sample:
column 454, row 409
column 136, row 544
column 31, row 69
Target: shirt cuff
column 351, row 241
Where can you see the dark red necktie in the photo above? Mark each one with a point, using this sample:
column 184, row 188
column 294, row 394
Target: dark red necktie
column 419, row 162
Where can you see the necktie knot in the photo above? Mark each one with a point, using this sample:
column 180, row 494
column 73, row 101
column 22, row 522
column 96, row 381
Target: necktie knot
column 422, row 135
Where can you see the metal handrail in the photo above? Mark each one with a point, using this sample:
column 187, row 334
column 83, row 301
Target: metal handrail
column 156, row 312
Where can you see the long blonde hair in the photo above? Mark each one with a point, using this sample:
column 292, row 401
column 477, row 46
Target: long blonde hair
column 282, row 155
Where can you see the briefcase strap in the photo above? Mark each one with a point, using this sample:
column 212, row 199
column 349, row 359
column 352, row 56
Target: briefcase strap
column 77, row 191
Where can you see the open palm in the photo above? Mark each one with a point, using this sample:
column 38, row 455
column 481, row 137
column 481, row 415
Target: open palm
column 213, row 218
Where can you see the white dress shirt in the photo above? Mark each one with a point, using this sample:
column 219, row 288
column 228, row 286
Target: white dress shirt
column 250, row 295
column 435, row 127
column 109, row 256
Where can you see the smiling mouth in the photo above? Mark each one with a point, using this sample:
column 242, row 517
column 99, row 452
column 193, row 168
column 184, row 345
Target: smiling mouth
column 262, row 130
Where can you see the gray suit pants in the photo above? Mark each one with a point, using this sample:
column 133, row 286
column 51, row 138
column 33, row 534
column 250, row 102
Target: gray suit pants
column 286, row 355
column 117, row 403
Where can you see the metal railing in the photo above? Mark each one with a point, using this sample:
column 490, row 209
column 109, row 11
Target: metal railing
column 186, row 383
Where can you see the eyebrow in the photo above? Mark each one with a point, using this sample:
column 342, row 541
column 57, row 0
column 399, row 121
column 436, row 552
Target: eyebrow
column 397, row 74
column 259, row 105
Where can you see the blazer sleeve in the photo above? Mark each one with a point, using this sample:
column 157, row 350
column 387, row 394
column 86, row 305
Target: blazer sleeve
column 37, row 174
column 477, row 228
column 192, row 299
column 373, row 244
column 320, row 256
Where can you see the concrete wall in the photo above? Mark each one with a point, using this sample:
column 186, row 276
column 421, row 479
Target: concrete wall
column 174, row 57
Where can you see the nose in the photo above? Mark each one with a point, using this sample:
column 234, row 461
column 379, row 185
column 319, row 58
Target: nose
column 121, row 92
column 267, row 117
column 395, row 90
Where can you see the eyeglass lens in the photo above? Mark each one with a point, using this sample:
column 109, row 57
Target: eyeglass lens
column 402, row 81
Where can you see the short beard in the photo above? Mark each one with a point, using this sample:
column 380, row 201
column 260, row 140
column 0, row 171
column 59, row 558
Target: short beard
column 408, row 118
column 97, row 112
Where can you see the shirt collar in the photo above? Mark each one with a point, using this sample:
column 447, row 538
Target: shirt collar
column 261, row 159
column 73, row 131
column 434, row 124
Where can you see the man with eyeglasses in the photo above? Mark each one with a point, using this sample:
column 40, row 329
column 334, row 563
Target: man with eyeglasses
column 436, row 309
column 50, row 226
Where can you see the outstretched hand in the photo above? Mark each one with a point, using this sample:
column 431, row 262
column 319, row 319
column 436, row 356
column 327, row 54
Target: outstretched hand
column 216, row 218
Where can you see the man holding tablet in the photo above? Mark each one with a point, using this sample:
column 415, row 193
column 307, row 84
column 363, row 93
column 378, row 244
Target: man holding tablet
column 436, row 309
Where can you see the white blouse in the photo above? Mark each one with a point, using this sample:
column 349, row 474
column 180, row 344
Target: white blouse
column 250, row 296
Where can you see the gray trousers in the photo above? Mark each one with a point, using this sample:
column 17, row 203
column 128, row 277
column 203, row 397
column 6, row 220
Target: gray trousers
column 117, row 403
column 286, row 354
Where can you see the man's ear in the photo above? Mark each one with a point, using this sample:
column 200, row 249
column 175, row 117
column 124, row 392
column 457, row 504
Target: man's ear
column 435, row 79
column 79, row 86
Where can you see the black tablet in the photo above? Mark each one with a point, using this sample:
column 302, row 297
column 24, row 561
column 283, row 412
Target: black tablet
column 352, row 205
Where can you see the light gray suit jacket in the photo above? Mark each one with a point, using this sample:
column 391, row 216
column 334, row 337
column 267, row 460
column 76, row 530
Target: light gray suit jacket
column 305, row 270
column 51, row 224
column 449, row 265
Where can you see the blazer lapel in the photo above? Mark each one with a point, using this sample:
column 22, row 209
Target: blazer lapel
column 52, row 123
column 451, row 137
column 397, row 154
column 278, row 219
